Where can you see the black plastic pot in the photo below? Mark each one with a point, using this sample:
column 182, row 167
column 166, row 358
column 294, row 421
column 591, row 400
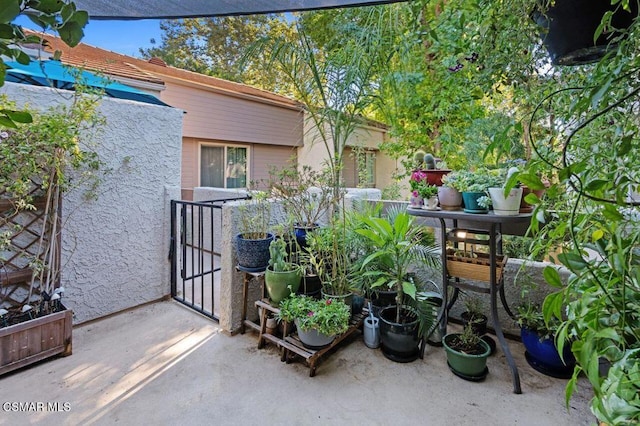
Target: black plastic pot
column 311, row 286
column 399, row 341
column 478, row 322
column 571, row 24
column 381, row 299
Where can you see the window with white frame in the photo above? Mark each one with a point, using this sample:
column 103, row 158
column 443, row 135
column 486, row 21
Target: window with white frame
column 223, row 166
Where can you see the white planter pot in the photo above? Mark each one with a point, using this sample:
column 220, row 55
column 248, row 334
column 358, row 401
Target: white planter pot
column 509, row 206
column 431, row 203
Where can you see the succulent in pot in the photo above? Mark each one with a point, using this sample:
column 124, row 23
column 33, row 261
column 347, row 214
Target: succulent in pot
column 282, row 277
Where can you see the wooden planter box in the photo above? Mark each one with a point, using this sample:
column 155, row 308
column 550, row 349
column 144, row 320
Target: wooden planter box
column 32, row 341
column 474, row 268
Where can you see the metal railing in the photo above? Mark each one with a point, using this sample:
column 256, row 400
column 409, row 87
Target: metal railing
column 196, row 235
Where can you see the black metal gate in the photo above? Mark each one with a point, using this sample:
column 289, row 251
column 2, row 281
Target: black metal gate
column 196, row 234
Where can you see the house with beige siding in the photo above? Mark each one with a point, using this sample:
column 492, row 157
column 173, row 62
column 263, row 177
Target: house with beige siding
column 232, row 133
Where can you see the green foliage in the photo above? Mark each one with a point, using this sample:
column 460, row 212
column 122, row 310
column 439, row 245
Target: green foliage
column 216, row 46
column 474, row 181
column 425, row 190
column 327, row 316
column 397, row 248
column 46, row 158
column 467, row 342
column 59, row 16
column 255, row 216
column 306, row 194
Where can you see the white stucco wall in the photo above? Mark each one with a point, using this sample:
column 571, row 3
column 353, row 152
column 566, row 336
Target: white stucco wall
column 115, row 248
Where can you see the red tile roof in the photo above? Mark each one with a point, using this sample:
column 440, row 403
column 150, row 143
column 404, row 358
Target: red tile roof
column 152, row 71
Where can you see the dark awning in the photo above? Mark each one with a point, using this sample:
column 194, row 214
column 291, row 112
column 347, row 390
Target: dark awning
column 159, row 9
column 53, row 74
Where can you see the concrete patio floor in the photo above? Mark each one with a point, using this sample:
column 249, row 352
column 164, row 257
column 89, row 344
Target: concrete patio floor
column 162, row 364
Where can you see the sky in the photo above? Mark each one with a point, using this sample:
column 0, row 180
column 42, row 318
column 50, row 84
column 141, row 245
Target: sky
column 125, row 37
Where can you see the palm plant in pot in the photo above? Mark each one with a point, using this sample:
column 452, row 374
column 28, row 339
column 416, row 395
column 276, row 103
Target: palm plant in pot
column 467, row 354
column 318, row 321
column 253, row 240
column 282, row 277
column 398, row 245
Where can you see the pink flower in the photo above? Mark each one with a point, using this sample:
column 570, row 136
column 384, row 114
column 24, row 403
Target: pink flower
column 414, row 193
column 310, row 313
column 328, row 302
column 418, row 175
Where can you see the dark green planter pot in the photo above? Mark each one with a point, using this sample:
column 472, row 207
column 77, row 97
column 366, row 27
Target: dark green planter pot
column 471, row 202
column 471, row 367
column 281, row 284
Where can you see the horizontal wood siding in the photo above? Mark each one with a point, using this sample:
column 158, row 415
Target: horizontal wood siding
column 212, row 115
column 190, row 164
column 263, row 157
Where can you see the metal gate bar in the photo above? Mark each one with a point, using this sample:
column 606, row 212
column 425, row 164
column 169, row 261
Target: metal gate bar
column 196, row 229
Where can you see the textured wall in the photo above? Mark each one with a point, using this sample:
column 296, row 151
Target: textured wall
column 115, row 248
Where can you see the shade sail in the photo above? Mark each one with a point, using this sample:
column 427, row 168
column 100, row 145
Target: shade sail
column 52, row 73
column 157, row 9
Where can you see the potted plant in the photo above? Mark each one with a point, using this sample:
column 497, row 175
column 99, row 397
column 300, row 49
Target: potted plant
column 467, row 354
column 474, row 316
column 331, row 258
column 427, row 167
column 41, row 161
column 449, row 196
column 306, row 194
column 429, row 195
column 506, row 198
column 538, row 337
column 474, row 185
column 253, row 240
column 282, row 277
column 398, row 246
column 318, row 321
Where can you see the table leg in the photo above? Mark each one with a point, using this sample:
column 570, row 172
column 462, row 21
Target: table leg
column 245, row 295
column 503, row 343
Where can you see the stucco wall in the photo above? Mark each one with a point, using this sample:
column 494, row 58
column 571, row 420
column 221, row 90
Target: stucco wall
column 115, row 248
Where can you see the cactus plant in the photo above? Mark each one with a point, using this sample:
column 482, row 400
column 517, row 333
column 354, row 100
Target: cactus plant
column 418, row 159
column 278, row 251
column 429, row 162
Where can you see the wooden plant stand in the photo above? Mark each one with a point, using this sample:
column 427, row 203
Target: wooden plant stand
column 293, row 346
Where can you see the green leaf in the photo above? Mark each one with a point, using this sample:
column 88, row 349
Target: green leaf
column 531, row 180
column 6, row 122
column 9, row 10
column 625, row 145
column 595, row 184
column 409, row 289
column 573, row 261
column 71, row 32
column 597, row 234
column 19, row 116
column 477, row 93
column 50, row 6
column 532, row 198
column 552, row 276
column 611, row 213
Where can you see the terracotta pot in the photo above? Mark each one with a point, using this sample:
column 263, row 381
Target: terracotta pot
column 524, row 206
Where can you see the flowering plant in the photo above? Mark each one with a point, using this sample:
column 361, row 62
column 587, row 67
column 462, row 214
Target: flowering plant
column 327, row 316
column 427, row 191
